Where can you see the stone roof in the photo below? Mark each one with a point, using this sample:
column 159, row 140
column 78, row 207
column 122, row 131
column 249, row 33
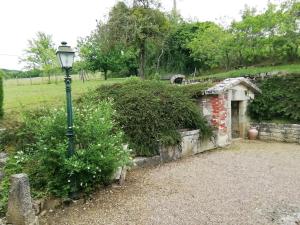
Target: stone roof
column 229, row 83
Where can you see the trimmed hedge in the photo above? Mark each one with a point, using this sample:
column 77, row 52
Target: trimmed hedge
column 280, row 100
column 1, row 93
column 151, row 113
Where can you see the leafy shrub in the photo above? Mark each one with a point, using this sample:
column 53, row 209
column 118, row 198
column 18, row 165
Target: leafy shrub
column 151, row 113
column 280, row 99
column 42, row 153
column 1, row 94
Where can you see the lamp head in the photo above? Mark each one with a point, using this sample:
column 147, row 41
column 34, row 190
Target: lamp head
column 65, row 55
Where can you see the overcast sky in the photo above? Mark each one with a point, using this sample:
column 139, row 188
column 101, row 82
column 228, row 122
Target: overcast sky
column 70, row 19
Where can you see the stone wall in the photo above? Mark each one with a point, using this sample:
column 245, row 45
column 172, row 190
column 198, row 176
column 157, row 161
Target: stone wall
column 278, row 132
column 190, row 144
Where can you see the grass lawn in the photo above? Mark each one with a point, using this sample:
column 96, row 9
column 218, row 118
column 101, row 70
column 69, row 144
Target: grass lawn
column 20, row 97
column 292, row 68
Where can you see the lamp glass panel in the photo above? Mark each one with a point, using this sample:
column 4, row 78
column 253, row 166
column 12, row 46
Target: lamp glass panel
column 58, row 58
column 66, row 59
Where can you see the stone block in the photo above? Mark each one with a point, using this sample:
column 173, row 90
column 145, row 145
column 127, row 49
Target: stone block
column 3, row 155
column 1, row 175
column 276, row 130
column 2, row 162
column 123, row 176
column 170, row 153
column 120, row 175
column 265, row 138
column 52, row 203
column 38, row 206
column 265, row 134
column 290, row 140
column 20, row 211
column 190, row 143
column 2, row 222
column 146, row 161
column 296, row 126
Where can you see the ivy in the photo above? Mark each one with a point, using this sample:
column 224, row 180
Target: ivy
column 151, row 112
column 280, row 100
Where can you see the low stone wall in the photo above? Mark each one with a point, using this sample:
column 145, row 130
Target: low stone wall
column 191, row 144
column 278, row 132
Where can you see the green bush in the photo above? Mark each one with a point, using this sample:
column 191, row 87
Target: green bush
column 1, row 94
column 151, row 113
column 42, row 151
column 280, row 100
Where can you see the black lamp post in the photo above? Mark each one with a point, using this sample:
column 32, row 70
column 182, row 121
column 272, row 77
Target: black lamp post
column 65, row 56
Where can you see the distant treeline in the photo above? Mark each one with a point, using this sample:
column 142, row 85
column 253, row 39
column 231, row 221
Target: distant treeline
column 10, row 74
column 13, row 74
column 140, row 38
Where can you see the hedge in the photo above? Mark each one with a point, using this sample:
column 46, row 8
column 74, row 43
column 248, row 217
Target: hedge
column 151, row 113
column 280, row 100
column 1, row 93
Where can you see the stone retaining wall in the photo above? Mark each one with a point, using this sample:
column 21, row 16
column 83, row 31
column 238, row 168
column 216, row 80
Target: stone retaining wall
column 278, row 132
column 190, row 144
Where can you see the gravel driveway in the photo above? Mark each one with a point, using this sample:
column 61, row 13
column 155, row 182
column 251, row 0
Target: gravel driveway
column 248, row 183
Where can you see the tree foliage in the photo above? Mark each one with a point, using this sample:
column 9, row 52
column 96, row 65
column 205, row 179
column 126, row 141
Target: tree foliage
column 40, row 54
column 280, row 99
column 158, row 42
column 123, row 40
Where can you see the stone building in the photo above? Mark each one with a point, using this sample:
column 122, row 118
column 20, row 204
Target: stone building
column 225, row 107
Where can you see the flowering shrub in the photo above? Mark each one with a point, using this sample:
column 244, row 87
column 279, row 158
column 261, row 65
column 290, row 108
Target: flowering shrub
column 42, row 152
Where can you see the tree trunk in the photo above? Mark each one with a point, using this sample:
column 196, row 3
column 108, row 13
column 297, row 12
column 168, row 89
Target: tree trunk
column 105, row 74
column 142, row 60
column 227, row 61
column 158, row 60
column 49, row 79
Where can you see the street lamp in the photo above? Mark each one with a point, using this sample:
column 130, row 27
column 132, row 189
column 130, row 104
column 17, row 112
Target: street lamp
column 65, row 56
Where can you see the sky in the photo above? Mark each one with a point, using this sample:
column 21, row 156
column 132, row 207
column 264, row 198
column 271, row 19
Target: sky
column 68, row 20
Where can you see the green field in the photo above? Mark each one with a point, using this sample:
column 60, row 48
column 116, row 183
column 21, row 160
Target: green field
column 25, row 94
column 21, row 95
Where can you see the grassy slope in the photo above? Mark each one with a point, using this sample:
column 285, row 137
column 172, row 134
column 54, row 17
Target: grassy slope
column 292, row 68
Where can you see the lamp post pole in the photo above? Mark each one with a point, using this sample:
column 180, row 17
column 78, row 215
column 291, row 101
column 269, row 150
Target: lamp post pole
column 70, row 131
column 65, row 55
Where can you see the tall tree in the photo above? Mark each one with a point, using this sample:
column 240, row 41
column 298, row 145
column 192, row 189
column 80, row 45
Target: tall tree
column 40, row 54
column 136, row 26
column 207, row 44
column 100, row 53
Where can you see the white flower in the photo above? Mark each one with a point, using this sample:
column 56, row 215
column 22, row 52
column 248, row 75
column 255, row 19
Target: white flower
column 69, row 181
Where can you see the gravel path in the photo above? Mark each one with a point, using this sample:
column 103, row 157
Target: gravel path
column 248, row 183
